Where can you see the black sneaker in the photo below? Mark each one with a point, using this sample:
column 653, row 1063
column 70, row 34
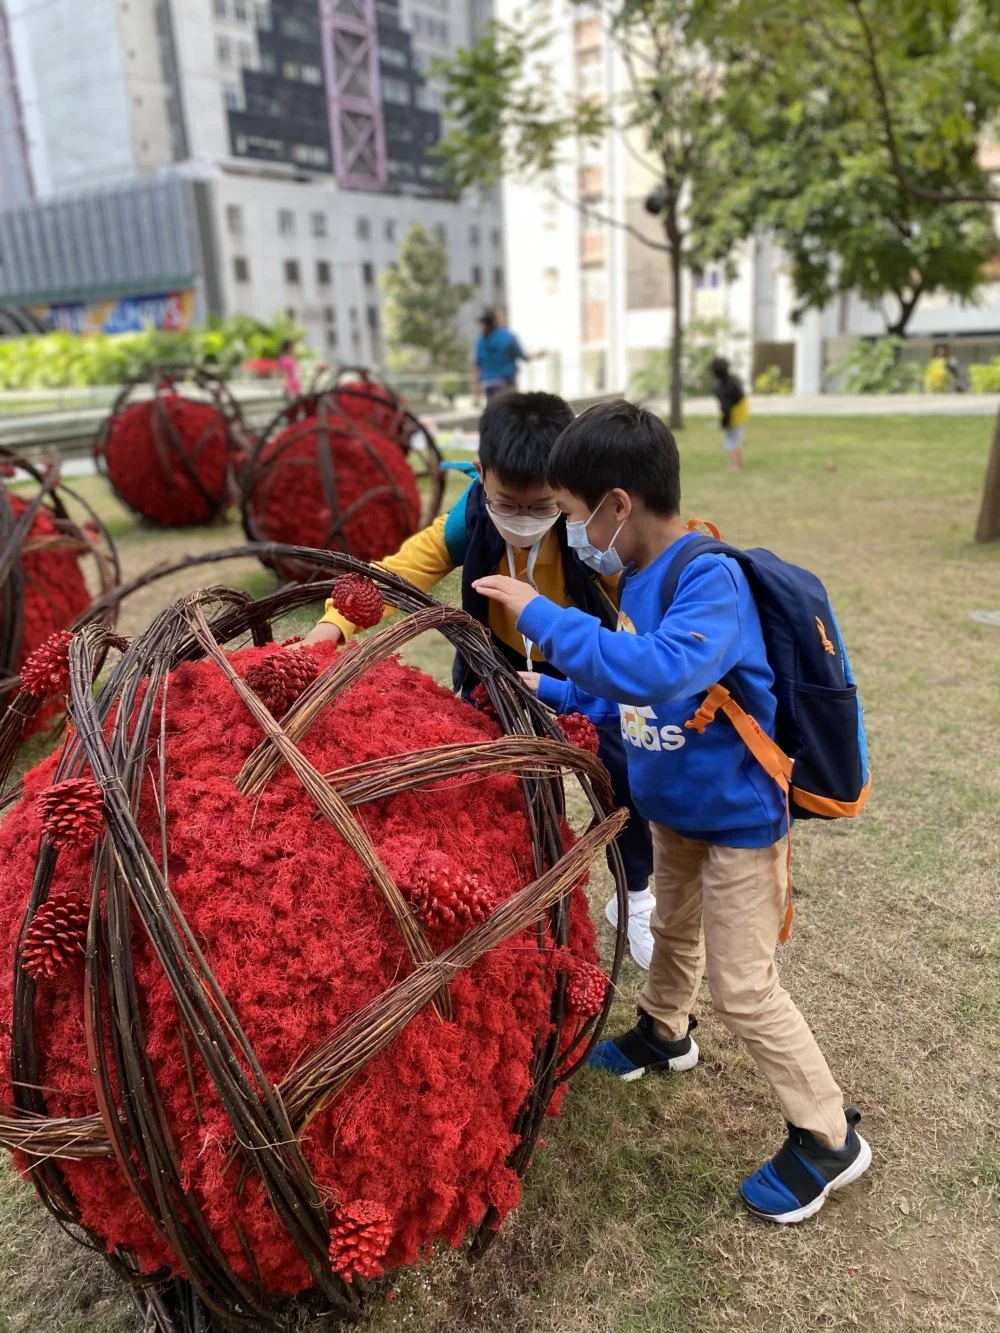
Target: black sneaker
column 640, row 1051
column 796, row 1184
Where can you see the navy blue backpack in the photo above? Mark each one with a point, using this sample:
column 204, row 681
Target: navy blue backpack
column 819, row 756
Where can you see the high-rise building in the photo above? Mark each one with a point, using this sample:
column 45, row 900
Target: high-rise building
column 301, row 132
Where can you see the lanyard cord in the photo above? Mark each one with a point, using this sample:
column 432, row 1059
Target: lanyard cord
column 530, row 577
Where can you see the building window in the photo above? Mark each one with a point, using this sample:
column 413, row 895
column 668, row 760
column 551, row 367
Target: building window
column 329, row 314
column 373, row 318
column 268, row 62
column 220, row 9
column 368, row 274
column 363, row 229
column 286, row 222
column 323, row 273
column 311, row 74
column 477, row 276
column 290, row 69
column 232, row 96
column 292, row 272
column 396, row 91
column 240, row 11
column 234, row 219
column 390, row 229
column 310, row 156
column 474, row 236
column 319, row 224
column 550, row 281
column 241, row 269
column 224, row 51
column 331, row 337
column 498, row 279
column 495, row 238
column 264, row 17
column 391, row 55
column 292, row 313
column 246, row 55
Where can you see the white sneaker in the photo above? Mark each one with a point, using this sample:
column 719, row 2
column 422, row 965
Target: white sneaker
column 640, row 938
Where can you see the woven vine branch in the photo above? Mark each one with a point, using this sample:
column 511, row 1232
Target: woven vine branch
column 114, row 738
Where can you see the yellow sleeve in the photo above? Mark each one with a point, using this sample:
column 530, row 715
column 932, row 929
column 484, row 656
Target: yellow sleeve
column 422, row 559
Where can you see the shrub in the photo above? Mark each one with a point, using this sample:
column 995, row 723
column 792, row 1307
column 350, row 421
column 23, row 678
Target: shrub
column 878, row 366
column 771, row 380
column 986, row 378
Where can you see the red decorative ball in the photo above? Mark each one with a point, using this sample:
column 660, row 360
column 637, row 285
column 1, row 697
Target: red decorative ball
column 358, row 600
column 579, row 731
column 169, row 459
column 299, row 939
column 376, row 406
column 585, row 990
column 57, row 934
column 360, row 1236
column 330, row 483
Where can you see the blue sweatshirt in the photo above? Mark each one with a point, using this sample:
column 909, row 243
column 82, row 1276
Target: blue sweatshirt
column 653, row 674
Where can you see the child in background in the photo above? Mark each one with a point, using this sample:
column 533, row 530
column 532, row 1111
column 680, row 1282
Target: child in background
column 718, row 820
column 290, row 368
column 508, row 521
column 735, row 408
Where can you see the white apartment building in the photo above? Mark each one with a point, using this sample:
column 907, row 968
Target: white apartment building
column 300, row 130
column 600, row 302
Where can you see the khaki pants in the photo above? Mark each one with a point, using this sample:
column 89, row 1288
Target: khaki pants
column 739, row 895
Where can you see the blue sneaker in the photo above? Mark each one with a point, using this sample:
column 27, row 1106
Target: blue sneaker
column 640, row 1051
column 795, row 1184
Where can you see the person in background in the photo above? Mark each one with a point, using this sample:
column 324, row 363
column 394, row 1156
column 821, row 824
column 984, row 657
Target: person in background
column 508, row 522
column 735, row 408
column 497, row 353
column 944, row 368
column 290, row 368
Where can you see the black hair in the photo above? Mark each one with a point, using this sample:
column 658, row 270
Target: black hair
column 619, row 445
column 516, row 435
column 720, row 367
column 287, row 346
column 488, row 320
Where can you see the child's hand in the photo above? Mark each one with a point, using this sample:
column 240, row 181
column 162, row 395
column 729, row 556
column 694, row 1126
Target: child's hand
column 512, row 594
column 324, row 632
column 531, row 679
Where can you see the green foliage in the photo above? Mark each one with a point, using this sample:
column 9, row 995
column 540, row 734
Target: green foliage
column 450, row 385
column 878, row 366
column 771, row 381
column 704, row 339
column 804, row 152
column 422, row 305
column 69, row 360
column 985, row 378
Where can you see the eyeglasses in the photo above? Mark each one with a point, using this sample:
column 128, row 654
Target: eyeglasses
column 504, row 510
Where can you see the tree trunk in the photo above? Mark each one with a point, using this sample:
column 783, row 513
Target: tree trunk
column 988, row 527
column 676, row 344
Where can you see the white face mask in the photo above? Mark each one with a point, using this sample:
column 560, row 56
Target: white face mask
column 523, row 530
column 606, row 563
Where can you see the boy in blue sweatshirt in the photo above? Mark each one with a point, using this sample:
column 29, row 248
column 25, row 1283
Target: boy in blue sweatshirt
column 718, row 821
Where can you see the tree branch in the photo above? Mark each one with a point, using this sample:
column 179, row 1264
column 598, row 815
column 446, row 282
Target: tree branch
column 588, row 211
column 889, row 132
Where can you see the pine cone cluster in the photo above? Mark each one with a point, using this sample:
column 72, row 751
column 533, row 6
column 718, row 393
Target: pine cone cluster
column 358, row 600
column 579, row 731
column 444, row 895
column 45, row 674
column 360, row 1236
column 72, row 813
column 585, row 990
column 57, row 935
column 281, row 678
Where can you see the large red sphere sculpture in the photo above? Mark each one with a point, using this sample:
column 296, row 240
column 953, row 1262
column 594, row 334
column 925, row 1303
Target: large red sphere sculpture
column 361, row 396
column 321, row 479
column 291, row 994
column 51, row 560
column 170, row 457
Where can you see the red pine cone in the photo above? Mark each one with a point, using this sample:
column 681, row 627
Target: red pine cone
column 72, row 813
column 281, row 678
column 360, row 1236
column 45, row 674
column 480, row 699
column 358, row 600
column 443, row 894
column 57, row 935
column 579, row 731
column 585, row 990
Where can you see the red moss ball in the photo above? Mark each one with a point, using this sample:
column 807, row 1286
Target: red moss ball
column 299, row 939
column 374, row 491
column 151, row 451
column 377, row 407
column 55, row 590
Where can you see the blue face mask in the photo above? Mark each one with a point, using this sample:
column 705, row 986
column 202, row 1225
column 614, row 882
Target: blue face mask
column 606, row 563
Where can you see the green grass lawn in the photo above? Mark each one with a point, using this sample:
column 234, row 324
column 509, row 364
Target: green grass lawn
column 630, row 1221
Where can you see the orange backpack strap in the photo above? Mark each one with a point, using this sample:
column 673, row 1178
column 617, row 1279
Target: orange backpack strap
column 768, row 754
column 696, row 524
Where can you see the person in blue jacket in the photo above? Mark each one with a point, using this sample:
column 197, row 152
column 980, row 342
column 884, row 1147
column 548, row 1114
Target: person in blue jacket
column 718, row 821
column 497, row 353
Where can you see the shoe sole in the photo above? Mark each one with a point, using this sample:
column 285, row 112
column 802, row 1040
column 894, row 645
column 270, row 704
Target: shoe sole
column 851, row 1173
column 680, row 1064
